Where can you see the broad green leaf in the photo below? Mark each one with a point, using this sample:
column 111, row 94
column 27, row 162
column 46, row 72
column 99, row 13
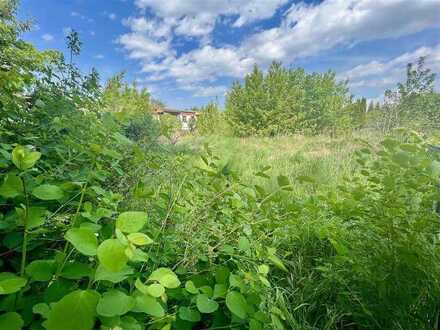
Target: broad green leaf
column 191, row 288
column 76, row 270
column 166, row 277
column 48, row 192
column 206, row 305
column 237, row 304
column 148, row 305
column 103, row 274
column 12, row 186
column 130, row 323
column 155, row 290
column 141, row 286
column 283, row 181
column 219, row 291
column 83, row 239
column 41, row 270
column 42, row 308
column 10, row 283
column 75, row 311
column 36, row 217
column 114, row 303
column 222, row 274
column 111, row 254
column 11, row 321
column 24, row 158
column 236, row 281
column 139, row 239
column 244, row 244
column 188, row 314
column 131, row 222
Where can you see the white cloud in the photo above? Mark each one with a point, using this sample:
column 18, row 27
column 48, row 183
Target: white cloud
column 47, row 37
column 143, row 47
column 305, row 30
column 112, row 16
column 99, row 56
column 197, row 18
column 308, row 29
column 386, row 74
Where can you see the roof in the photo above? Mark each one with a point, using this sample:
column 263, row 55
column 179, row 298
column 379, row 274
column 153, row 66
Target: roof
column 175, row 111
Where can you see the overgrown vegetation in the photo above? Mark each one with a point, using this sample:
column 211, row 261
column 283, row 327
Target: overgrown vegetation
column 101, row 227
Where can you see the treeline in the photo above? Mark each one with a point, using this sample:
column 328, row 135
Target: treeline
column 289, row 101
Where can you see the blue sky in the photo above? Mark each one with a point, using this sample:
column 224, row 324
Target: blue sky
column 188, row 52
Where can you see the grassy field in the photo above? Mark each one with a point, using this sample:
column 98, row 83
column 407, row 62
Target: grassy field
column 325, row 159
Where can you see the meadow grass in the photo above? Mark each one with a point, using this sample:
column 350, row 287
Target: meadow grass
column 325, row 159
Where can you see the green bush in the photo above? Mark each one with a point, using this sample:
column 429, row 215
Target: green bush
column 287, row 101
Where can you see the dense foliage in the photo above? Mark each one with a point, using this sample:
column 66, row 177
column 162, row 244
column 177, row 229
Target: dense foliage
column 211, row 120
column 100, row 227
column 413, row 103
column 287, row 101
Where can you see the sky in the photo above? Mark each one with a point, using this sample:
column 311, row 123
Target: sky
column 188, row 52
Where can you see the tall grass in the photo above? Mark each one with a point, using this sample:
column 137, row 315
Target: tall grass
column 324, row 159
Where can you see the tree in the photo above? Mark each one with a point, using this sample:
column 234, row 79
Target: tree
column 211, row 120
column 413, row 103
column 286, row 101
column 73, row 44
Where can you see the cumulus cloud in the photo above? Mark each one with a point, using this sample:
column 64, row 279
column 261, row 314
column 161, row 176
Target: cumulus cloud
column 385, row 74
column 304, row 30
column 199, row 17
column 308, row 29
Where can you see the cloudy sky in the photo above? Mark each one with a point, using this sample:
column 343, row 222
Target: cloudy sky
column 187, row 52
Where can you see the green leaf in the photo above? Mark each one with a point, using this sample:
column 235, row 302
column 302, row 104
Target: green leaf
column 41, row 270
column 130, row 323
column 188, row 314
column 111, row 254
column 76, row 270
column 103, row 274
column 244, row 244
column 11, row 321
column 48, row 192
column 237, row 304
column 148, row 305
column 10, row 283
column 114, row 303
column 12, row 186
column 219, row 291
column 222, row 274
column 191, row 288
column 276, row 261
column 206, row 305
column 75, row 311
column 283, row 181
column 36, row 217
column 83, row 239
column 131, row 222
column 42, row 308
column 166, row 277
column 139, row 239
column 24, row 158
column 155, row 290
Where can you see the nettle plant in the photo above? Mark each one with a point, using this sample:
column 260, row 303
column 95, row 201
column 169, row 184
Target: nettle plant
column 71, row 261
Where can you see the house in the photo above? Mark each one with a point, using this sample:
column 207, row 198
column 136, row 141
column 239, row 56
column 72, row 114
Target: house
column 186, row 117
